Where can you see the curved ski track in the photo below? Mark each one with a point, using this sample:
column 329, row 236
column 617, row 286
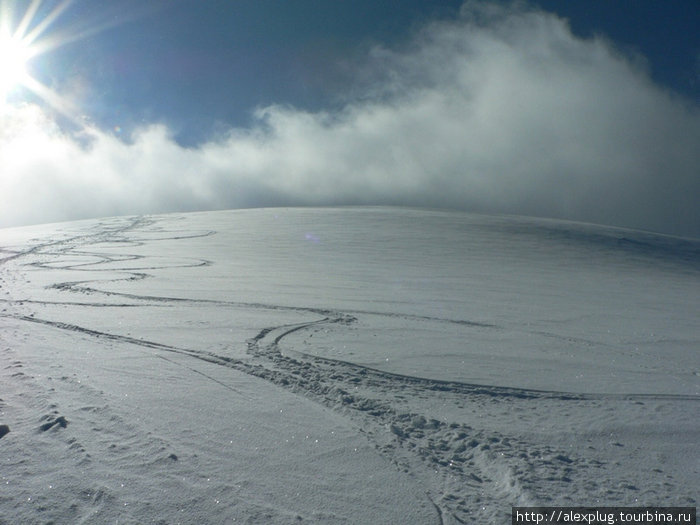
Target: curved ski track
column 472, row 475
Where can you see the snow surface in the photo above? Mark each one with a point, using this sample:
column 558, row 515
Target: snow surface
column 348, row 365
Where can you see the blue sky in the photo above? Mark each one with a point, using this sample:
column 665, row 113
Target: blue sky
column 198, row 65
column 567, row 109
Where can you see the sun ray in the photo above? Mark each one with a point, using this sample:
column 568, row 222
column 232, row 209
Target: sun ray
column 44, row 24
column 27, row 18
column 61, row 104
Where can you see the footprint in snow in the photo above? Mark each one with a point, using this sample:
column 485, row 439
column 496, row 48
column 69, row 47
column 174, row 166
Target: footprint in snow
column 59, row 421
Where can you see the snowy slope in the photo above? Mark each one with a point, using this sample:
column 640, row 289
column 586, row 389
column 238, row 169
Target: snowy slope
column 352, row 365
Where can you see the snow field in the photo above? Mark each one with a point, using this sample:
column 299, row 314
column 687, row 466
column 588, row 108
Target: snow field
column 360, row 365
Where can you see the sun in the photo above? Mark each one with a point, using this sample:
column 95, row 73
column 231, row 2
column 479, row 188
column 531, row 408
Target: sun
column 23, row 38
column 14, row 57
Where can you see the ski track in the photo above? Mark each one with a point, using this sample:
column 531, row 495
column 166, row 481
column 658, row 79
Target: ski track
column 471, row 474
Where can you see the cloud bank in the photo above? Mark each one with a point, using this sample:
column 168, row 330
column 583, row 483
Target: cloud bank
column 502, row 110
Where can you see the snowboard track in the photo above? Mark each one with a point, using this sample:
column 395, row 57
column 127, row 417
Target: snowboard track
column 471, row 474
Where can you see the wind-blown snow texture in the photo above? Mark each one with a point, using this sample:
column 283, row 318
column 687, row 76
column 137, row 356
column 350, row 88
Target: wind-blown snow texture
column 359, row 365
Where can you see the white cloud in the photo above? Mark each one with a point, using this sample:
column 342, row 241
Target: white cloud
column 500, row 111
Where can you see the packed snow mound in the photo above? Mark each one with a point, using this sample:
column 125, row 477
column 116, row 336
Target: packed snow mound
column 349, row 365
